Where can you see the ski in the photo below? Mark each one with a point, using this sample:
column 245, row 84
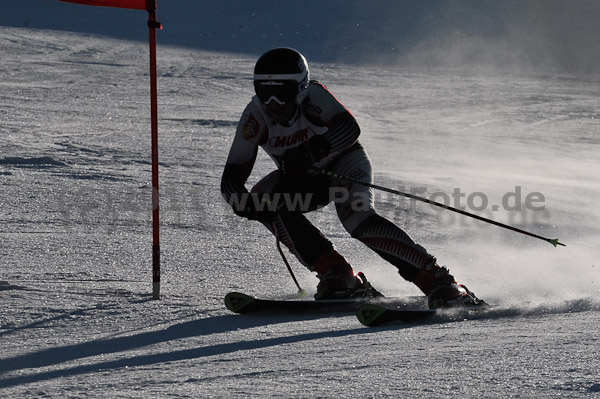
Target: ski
column 375, row 314
column 372, row 314
column 238, row 302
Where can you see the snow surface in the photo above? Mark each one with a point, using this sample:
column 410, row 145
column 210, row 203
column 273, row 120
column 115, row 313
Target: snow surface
column 77, row 318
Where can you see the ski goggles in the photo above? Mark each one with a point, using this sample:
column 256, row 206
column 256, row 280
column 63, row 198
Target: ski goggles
column 281, row 92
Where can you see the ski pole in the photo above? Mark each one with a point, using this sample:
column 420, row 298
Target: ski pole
column 411, row 196
column 301, row 291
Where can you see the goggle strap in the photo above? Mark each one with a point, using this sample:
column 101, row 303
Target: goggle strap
column 298, row 77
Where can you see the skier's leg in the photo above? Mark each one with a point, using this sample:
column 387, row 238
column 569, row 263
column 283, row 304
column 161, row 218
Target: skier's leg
column 356, row 210
column 303, row 239
column 357, row 214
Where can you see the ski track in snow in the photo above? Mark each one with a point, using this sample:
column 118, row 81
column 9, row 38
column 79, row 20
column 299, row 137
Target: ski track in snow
column 77, row 318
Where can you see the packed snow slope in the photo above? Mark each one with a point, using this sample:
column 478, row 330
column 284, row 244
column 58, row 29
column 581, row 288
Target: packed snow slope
column 518, row 145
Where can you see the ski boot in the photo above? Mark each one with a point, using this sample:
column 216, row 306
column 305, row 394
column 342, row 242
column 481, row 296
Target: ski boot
column 338, row 281
column 454, row 295
column 442, row 290
column 332, row 286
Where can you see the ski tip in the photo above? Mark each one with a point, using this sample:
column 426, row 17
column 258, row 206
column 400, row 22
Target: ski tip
column 238, row 302
column 369, row 315
column 372, row 315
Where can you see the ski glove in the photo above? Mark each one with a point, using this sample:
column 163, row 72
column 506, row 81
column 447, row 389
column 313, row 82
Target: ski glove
column 265, row 212
column 296, row 161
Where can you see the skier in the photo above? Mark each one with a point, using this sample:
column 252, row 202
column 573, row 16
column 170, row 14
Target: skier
column 300, row 124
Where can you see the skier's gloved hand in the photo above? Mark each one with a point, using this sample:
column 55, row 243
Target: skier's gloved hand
column 296, row 161
column 247, row 212
column 264, row 213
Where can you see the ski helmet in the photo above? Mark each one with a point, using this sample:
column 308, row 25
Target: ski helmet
column 281, row 75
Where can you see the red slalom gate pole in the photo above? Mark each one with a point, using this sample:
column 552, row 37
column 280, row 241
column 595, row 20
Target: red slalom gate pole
column 150, row 6
column 152, row 26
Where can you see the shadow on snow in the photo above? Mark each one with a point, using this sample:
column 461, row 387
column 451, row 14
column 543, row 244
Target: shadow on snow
column 226, row 323
column 206, row 326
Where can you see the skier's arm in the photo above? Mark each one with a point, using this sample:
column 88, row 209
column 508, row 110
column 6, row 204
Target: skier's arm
column 233, row 182
column 240, row 161
column 343, row 132
column 322, row 109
